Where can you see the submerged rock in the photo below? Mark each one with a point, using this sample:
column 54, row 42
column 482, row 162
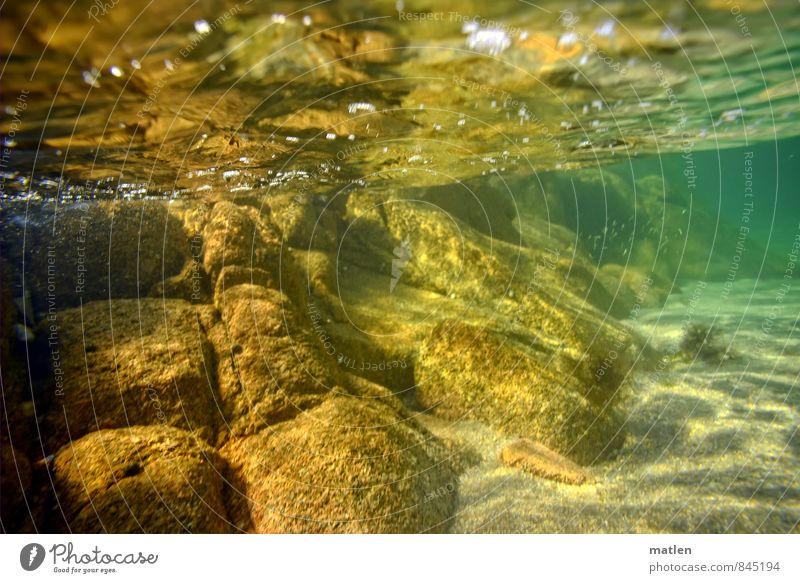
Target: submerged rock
column 351, row 465
column 234, row 236
column 152, row 479
column 467, row 372
column 541, row 461
column 129, row 362
column 270, row 368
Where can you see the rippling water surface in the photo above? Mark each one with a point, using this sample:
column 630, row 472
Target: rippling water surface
column 149, row 100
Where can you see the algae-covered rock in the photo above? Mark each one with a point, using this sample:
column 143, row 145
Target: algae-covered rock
column 153, row 479
column 129, row 362
column 441, row 253
column 351, row 465
column 473, row 373
column 455, row 281
column 304, row 220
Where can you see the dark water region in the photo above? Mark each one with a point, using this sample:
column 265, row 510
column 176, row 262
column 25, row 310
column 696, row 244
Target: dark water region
column 400, row 266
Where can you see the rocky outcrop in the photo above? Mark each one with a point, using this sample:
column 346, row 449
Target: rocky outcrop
column 501, row 333
column 350, row 465
column 291, row 340
column 129, row 362
column 469, row 372
column 270, row 368
column 540, row 461
column 234, row 236
column 304, row 220
column 152, row 479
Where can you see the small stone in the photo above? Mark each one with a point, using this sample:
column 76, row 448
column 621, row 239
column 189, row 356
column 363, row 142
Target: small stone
column 541, row 461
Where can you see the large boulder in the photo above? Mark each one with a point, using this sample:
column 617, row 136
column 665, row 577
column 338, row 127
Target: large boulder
column 129, row 362
column 420, row 244
column 270, row 367
column 352, row 465
column 152, row 479
column 304, row 220
column 469, row 372
column 459, row 297
column 235, row 236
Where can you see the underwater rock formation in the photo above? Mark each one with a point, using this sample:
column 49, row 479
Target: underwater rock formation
column 269, row 368
column 351, row 465
column 153, row 479
column 95, row 251
column 129, row 362
column 280, row 339
column 233, row 236
column 521, row 393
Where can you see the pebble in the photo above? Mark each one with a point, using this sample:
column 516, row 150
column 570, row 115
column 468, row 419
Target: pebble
column 535, row 458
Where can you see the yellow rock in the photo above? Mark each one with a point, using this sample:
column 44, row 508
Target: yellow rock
column 541, row 461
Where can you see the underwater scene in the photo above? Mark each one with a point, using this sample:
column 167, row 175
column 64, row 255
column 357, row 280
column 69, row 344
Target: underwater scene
column 400, row 266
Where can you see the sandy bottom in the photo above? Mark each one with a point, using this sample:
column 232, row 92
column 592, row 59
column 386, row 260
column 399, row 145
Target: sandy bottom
column 710, row 447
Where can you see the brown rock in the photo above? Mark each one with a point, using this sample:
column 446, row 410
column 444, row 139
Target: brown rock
column 541, row 461
column 270, row 368
column 192, row 284
column 233, row 275
column 140, row 479
column 129, row 362
column 68, row 252
column 352, row 465
column 235, row 236
column 305, row 221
